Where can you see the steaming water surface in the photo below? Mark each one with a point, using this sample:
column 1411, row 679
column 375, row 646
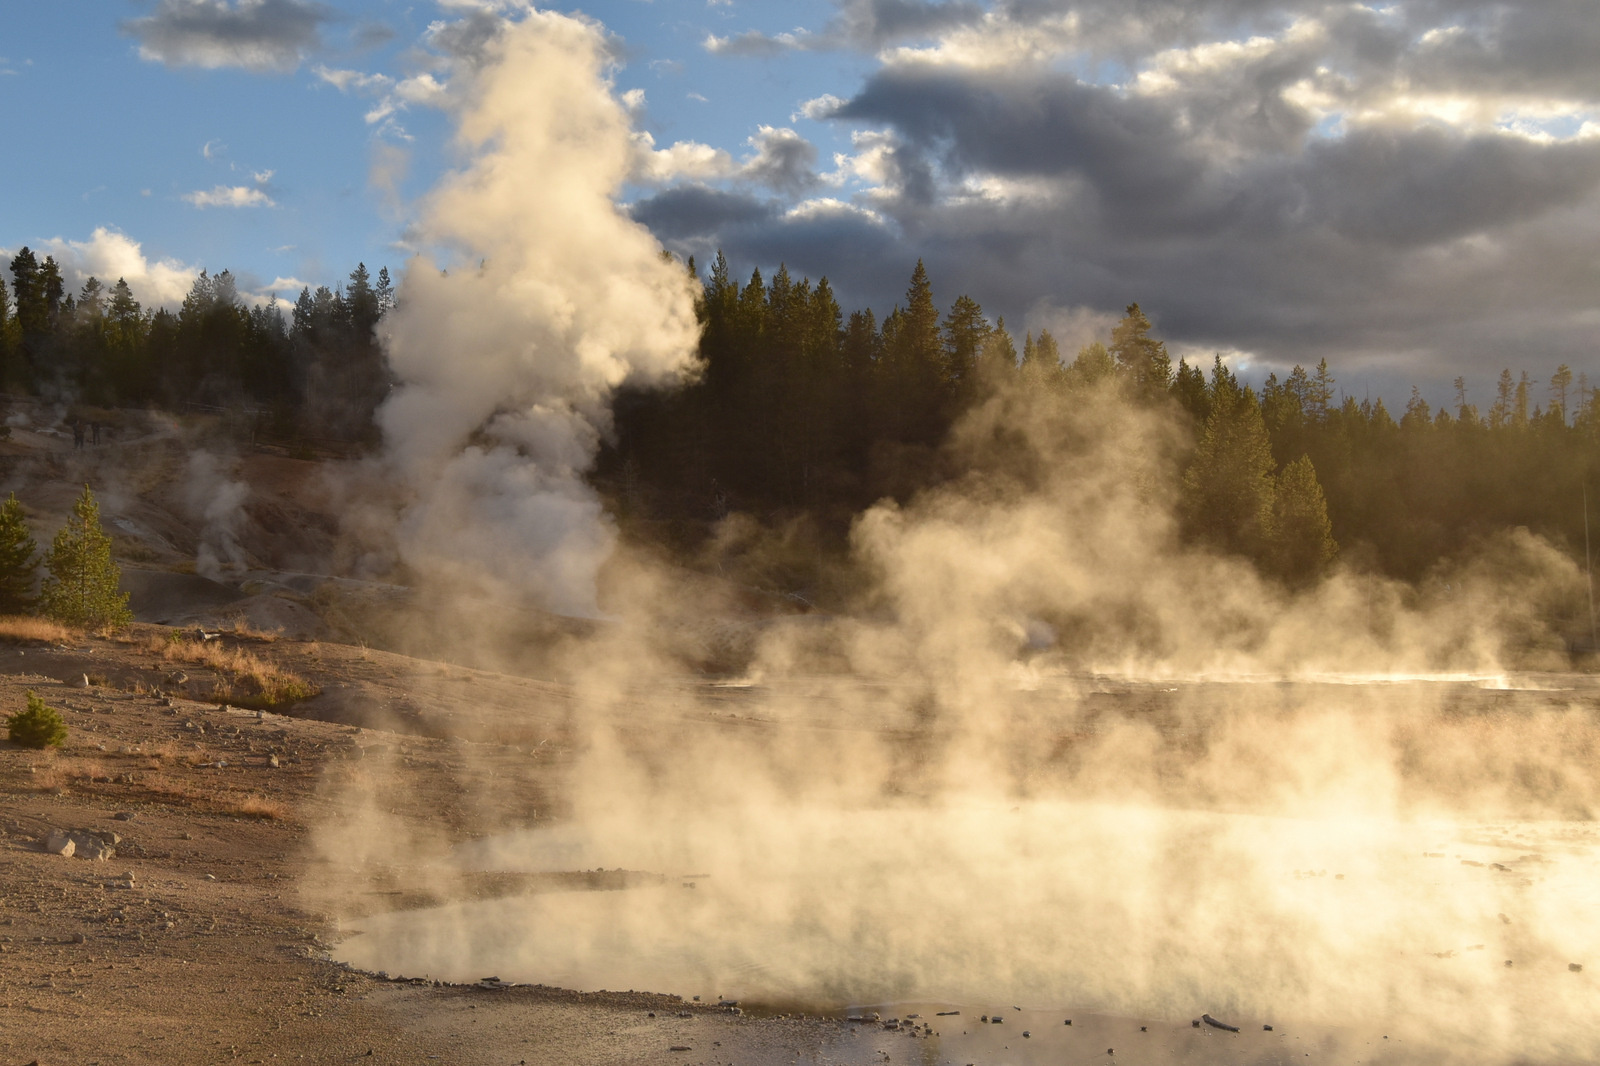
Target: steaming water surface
column 1333, row 895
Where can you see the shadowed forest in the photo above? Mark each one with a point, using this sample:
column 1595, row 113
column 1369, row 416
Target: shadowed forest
column 803, row 414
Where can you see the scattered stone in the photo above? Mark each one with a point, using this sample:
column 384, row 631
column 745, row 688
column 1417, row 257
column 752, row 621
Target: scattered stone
column 948, row 1013
column 1266, row 1028
column 680, row 1047
column 1067, row 1022
column 1575, row 967
column 1209, row 1020
column 211, row 877
column 97, row 850
column 1195, row 1023
column 272, row 761
column 1509, row 964
column 82, row 682
column 59, row 842
column 1026, row 1035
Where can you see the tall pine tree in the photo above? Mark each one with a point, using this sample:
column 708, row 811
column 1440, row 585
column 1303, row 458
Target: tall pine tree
column 82, row 587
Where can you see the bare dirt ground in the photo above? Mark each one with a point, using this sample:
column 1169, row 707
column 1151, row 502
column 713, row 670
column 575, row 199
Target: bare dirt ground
column 203, row 939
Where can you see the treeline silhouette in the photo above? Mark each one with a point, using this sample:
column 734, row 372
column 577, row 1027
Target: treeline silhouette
column 804, row 412
column 320, row 373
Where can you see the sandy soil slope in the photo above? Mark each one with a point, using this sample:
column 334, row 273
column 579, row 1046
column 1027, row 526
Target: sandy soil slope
column 203, row 938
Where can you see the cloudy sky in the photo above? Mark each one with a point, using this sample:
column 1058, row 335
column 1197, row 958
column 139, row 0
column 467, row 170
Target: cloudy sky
column 1411, row 190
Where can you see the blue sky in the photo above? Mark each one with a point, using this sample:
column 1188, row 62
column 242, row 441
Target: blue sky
column 1411, row 190
column 124, row 142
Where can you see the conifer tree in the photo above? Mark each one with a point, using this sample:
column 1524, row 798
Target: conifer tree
column 1228, row 489
column 1300, row 537
column 1140, row 356
column 19, row 559
column 82, row 587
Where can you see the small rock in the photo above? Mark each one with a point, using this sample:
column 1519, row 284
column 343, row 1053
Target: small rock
column 272, row 761
column 1266, row 1028
column 59, row 842
column 91, row 845
column 1575, row 967
column 211, row 877
column 82, row 682
column 123, row 816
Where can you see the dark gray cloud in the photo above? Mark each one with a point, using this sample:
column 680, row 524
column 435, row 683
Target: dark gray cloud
column 680, row 214
column 783, row 161
column 1404, row 190
column 260, row 35
column 860, row 24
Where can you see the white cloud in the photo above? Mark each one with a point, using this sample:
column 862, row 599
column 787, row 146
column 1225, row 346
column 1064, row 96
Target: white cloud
column 995, row 43
column 229, row 196
column 352, row 80
column 756, row 43
column 872, row 162
column 827, row 206
column 109, row 255
column 818, row 108
column 682, row 159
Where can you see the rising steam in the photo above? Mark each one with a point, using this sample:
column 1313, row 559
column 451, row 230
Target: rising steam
column 536, row 299
column 1010, row 773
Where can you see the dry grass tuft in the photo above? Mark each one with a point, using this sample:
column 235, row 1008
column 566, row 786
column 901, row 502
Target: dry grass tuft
column 253, row 806
column 22, row 629
column 251, row 681
column 240, row 627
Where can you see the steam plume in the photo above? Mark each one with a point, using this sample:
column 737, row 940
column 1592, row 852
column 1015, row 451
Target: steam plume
column 537, row 298
column 968, row 809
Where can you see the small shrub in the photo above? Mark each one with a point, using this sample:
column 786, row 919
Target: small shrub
column 38, row 726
